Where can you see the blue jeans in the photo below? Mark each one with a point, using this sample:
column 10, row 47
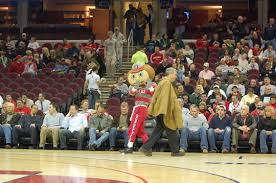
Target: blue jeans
column 5, row 130
column 225, row 136
column 93, row 137
column 187, row 134
column 93, row 95
column 263, row 141
column 118, row 134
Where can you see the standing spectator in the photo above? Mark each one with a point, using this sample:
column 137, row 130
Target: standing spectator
column 267, row 127
column 181, row 20
column 91, row 86
column 140, row 56
column 119, row 127
column 120, row 40
column 130, row 17
column 151, row 44
column 206, row 73
column 141, row 21
column 52, row 122
column 42, row 103
column 110, row 54
column 240, row 30
column 21, row 109
column 74, row 125
column 244, row 126
column 220, row 129
column 7, row 121
column 202, row 42
column 33, row 44
column 28, row 126
column 195, row 128
column 165, row 42
column 99, row 126
column 270, row 33
column 151, row 19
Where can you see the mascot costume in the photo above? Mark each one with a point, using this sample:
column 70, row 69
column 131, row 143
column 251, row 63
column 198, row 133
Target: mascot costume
column 140, row 78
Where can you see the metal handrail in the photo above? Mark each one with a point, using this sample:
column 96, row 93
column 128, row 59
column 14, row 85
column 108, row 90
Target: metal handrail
column 129, row 43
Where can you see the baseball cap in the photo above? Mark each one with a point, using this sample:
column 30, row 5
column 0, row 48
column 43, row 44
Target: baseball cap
column 216, row 86
column 218, row 78
column 206, row 64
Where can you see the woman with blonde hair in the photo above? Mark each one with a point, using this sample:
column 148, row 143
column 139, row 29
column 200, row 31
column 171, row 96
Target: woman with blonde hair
column 267, row 128
column 204, row 84
column 45, row 55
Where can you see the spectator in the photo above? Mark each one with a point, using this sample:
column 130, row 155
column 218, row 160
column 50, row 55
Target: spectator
column 206, row 73
column 21, row 109
column 204, row 84
column 30, row 67
column 202, row 42
column 172, row 51
column 162, row 67
column 236, row 83
column 186, row 54
column 273, row 102
column 156, row 58
column 195, row 97
column 130, row 19
column 269, row 32
column 269, row 52
column 240, row 30
column 99, row 126
column 267, row 83
column 28, row 126
column 259, row 109
column 243, row 64
column 33, row 44
column 7, row 121
column 219, row 100
column 120, row 89
column 45, row 56
column 267, row 94
column 10, row 99
column 120, row 40
column 10, row 47
column 249, row 98
column 1, row 103
column 256, row 39
column 74, row 126
column 119, row 127
column 252, row 65
column 22, row 39
column 244, row 126
column 216, row 91
column 187, row 86
column 195, row 128
column 267, row 127
column 17, row 66
column 180, row 70
column 141, row 21
column 110, row 54
column 256, row 52
column 140, row 56
column 52, row 122
column 177, row 42
column 216, row 39
column 203, row 109
column 235, row 105
column 193, row 73
column 165, row 42
column 220, row 129
column 151, row 44
column 151, row 19
column 42, row 103
column 85, row 109
column 3, row 59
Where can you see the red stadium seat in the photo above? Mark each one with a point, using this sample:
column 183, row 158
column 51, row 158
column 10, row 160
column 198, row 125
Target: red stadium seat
column 113, row 102
column 15, row 95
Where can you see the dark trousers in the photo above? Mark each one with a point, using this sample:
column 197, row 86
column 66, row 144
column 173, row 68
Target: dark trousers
column 66, row 134
column 150, row 30
column 25, row 132
column 139, row 35
column 158, row 131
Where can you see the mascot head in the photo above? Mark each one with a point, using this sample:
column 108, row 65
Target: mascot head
column 140, row 74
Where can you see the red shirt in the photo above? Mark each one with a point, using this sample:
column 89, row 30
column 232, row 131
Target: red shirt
column 255, row 113
column 17, row 67
column 200, row 43
column 24, row 111
column 156, row 58
column 273, row 105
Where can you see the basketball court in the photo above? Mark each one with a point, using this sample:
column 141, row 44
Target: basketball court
column 22, row 166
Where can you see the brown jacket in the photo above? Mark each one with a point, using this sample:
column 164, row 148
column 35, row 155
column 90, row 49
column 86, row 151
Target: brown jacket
column 165, row 102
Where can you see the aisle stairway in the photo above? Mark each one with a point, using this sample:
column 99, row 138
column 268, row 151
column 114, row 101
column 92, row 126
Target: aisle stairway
column 126, row 66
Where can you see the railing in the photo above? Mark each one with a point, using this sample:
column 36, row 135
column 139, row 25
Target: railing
column 129, row 44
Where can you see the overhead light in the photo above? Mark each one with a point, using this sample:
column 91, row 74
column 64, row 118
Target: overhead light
column 4, row 8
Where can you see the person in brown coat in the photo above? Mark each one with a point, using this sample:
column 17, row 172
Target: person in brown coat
column 166, row 109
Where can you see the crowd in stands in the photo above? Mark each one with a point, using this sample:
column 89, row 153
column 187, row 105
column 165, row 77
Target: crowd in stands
column 226, row 87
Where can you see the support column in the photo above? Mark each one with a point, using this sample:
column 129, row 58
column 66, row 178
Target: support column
column 22, row 14
column 262, row 12
column 161, row 19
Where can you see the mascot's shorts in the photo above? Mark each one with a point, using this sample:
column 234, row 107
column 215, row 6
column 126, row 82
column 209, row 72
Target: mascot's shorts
column 137, row 120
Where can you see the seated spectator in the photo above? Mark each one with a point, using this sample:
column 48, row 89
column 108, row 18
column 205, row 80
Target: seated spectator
column 243, row 64
column 272, row 102
column 193, row 73
column 151, row 44
column 253, row 65
column 99, row 125
column 10, row 99
column 39, row 64
column 241, row 77
column 17, row 66
column 195, row 96
column 162, row 67
column 267, row 82
column 267, row 94
column 206, row 73
column 120, row 89
column 186, row 101
column 223, row 68
column 267, row 128
column 195, row 128
column 220, row 101
column 220, row 129
column 119, row 127
column 26, row 101
column 73, row 127
column 165, row 42
column 216, row 91
column 244, row 126
column 45, row 56
column 202, row 42
column 254, row 85
column 235, row 105
column 156, row 58
column 236, row 82
column 204, row 84
column 269, row 52
column 10, row 46
column 21, row 109
column 268, row 70
column 3, row 59
column 7, row 121
column 185, row 111
column 204, row 98
column 180, row 90
column 28, row 126
column 33, row 44
column 186, row 53
column 140, row 56
column 219, row 81
column 259, row 110
column 237, row 55
column 203, row 109
column 85, row 109
column 52, row 122
column 42, row 103
column 180, row 70
column 253, row 106
column 177, row 41
column 172, row 51
column 215, row 39
column 249, row 98
column 187, row 86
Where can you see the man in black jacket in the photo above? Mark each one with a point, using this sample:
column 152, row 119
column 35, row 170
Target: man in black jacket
column 28, row 125
column 7, row 121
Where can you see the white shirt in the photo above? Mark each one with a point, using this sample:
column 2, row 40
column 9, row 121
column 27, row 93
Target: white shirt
column 74, row 123
column 45, row 105
column 92, row 81
column 273, row 88
column 206, row 75
column 221, row 92
column 236, row 107
column 240, row 87
column 33, row 45
column 1, row 101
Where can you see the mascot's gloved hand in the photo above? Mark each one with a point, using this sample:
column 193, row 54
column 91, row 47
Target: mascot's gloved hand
column 151, row 89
